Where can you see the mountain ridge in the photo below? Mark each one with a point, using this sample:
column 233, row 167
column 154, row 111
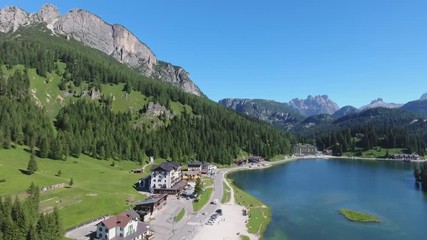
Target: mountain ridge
column 113, row 39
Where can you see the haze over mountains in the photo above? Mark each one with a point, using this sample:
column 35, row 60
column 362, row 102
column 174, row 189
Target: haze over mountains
column 114, row 40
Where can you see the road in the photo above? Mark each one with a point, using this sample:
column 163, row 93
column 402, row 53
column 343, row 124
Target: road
column 190, row 225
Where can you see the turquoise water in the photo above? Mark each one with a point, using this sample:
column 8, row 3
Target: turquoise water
column 305, row 196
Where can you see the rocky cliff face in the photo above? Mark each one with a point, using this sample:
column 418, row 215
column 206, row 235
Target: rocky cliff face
column 279, row 114
column 379, row 102
column 114, row 40
column 314, row 105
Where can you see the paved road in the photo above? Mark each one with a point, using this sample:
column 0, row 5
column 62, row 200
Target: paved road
column 189, row 227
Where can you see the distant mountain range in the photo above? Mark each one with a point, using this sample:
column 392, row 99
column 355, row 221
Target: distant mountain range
column 300, row 114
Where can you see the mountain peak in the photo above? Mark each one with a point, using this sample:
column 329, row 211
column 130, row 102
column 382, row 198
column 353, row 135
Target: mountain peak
column 48, row 13
column 424, row 96
column 314, row 105
column 114, row 40
column 379, row 102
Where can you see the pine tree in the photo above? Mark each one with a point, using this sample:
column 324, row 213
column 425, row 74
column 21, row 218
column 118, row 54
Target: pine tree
column 71, row 182
column 19, row 217
column 32, row 234
column 198, row 189
column 58, row 231
column 32, row 164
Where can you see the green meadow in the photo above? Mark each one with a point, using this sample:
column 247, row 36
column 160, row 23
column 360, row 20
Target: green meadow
column 99, row 188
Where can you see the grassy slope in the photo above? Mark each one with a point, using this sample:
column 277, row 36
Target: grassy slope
column 260, row 214
column 123, row 101
column 98, row 188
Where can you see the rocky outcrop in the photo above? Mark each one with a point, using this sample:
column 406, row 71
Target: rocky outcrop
column 424, row 97
column 114, row 40
column 314, row 105
column 11, row 18
column 177, row 76
column 156, row 110
column 276, row 113
column 379, row 102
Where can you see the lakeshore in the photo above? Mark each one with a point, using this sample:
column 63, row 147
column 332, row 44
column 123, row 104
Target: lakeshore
column 224, row 230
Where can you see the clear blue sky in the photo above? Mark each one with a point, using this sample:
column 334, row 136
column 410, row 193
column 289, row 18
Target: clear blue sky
column 352, row 50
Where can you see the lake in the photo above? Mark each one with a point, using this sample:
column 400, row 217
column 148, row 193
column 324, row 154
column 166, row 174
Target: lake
column 305, row 196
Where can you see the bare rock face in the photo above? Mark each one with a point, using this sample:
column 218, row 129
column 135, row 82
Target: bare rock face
column 314, row 105
column 114, row 40
column 48, row 14
column 11, row 18
column 177, row 76
column 157, row 110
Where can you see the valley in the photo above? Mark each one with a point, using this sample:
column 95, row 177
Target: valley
column 100, row 139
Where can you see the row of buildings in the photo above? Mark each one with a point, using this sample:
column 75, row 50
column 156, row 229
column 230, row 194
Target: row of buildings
column 166, row 178
column 170, row 178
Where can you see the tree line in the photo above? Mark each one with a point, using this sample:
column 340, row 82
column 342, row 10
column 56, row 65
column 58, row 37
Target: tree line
column 21, row 220
column 386, row 128
column 208, row 133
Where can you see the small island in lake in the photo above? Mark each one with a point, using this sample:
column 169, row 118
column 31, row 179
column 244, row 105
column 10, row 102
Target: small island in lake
column 356, row 216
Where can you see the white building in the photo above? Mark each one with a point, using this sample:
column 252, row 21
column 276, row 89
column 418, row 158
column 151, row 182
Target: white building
column 125, row 226
column 165, row 176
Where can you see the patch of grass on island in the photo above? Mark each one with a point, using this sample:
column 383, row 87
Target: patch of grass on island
column 180, row 215
column 356, row 216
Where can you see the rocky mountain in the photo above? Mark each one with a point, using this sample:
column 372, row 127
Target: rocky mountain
column 379, row 102
column 112, row 39
column 418, row 106
column 314, row 105
column 424, row 96
column 346, row 110
column 276, row 113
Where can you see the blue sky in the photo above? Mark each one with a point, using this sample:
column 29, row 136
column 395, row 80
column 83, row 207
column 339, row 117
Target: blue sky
column 352, row 50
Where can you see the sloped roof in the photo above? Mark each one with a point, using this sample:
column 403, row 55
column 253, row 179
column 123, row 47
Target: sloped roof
column 166, row 166
column 120, row 220
column 151, row 200
column 195, row 164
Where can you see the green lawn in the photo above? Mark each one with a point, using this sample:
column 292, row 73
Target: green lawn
column 203, row 199
column 98, row 188
column 207, row 182
column 260, row 214
column 226, row 195
column 180, row 215
column 356, row 216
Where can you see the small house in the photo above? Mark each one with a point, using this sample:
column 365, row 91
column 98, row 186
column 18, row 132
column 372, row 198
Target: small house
column 124, row 226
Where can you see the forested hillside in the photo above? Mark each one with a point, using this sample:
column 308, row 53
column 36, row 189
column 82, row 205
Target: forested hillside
column 388, row 128
column 86, row 124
